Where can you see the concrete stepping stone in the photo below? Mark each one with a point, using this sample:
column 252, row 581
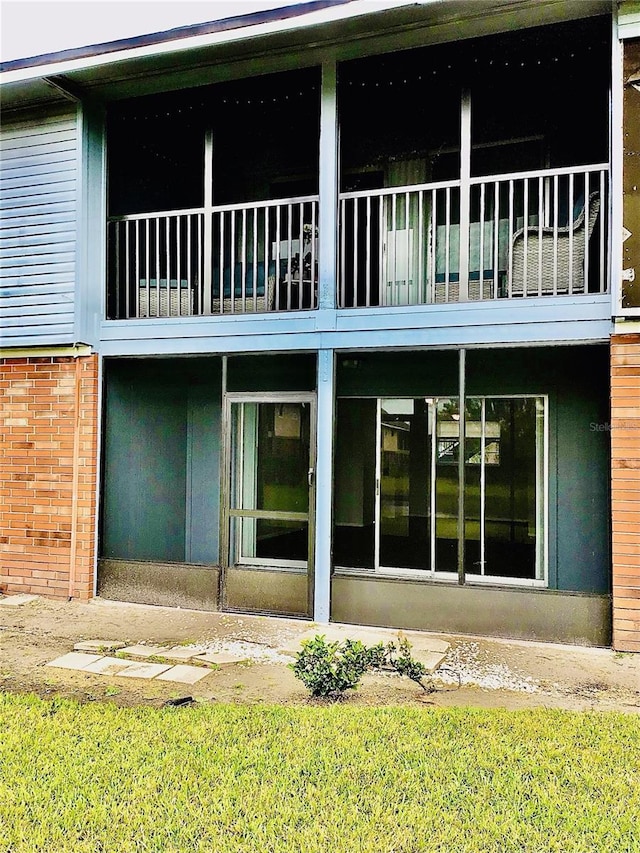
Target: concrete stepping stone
column 141, row 651
column 430, row 660
column 420, row 644
column 109, row 666
column 98, row 646
column 221, row 658
column 144, row 670
column 183, row 653
column 17, row 600
column 184, row 674
column 74, row 660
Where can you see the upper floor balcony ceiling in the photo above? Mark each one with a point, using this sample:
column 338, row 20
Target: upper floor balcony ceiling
column 276, row 39
column 474, row 170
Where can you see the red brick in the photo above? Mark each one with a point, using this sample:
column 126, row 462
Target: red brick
column 35, row 541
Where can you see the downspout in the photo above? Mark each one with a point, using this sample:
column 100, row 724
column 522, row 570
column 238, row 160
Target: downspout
column 75, row 481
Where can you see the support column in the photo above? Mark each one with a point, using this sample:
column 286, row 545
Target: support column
column 625, row 490
column 324, row 486
column 462, row 404
column 328, row 219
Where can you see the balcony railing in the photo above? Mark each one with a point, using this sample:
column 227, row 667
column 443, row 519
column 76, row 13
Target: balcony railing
column 505, row 236
column 229, row 259
column 508, row 236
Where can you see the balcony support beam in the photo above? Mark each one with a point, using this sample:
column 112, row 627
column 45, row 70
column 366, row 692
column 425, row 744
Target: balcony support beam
column 328, row 218
column 324, row 469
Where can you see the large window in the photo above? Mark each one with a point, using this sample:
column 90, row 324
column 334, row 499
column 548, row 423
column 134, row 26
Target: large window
column 397, row 483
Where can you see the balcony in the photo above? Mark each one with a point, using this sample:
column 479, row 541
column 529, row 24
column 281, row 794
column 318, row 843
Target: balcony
column 523, row 235
column 226, row 260
column 501, row 237
column 473, row 171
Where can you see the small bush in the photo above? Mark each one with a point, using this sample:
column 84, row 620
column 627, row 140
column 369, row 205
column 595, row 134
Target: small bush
column 404, row 664
column 328, row 669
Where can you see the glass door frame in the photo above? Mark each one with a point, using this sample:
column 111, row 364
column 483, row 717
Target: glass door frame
column 228, row 512
column 542, row 496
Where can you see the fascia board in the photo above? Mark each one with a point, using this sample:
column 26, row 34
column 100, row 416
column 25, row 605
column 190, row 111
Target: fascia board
column 349, row 11
column 629, row 29
column 629, row 19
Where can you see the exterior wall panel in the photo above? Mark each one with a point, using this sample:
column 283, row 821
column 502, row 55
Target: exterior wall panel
column 524, row 614
column 161, row 498
column 38, row 227
column 631, row 177
column 625, row 490
column 575, row 378
column 48, row 478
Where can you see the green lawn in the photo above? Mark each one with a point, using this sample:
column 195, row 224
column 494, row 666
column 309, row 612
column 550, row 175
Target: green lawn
column 228, row 778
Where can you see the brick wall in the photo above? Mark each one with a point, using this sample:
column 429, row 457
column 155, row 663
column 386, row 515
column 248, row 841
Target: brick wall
column 48, row 475
column 625, row 496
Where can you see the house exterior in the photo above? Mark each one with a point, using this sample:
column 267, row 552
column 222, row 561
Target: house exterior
column 309, row 312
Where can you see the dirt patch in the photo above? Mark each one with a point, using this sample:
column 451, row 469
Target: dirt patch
column 478, row 672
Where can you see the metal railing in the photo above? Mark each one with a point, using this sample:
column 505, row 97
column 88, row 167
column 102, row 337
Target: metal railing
column 542, row 233
column 529, row 234
column 224, row 260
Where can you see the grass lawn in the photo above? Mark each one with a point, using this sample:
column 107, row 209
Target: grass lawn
column 230, row 778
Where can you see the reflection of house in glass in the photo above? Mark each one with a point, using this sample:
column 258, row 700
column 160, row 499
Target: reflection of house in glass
column 449, row 442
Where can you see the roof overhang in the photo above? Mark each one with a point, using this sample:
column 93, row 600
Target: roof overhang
column 276, row 40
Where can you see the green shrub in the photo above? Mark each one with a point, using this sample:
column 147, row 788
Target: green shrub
column 328, row 669
column 404, row 664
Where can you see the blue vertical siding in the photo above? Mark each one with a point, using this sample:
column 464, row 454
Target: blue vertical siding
column 38, row 228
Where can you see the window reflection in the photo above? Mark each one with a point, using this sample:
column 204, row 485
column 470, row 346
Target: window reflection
column 397, row 481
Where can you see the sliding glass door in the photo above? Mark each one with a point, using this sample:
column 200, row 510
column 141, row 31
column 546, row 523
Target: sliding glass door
column 404, row 484
column 413, row 524
column 504, row 487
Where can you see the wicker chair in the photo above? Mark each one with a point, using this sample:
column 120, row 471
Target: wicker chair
column 244, row 289
column 477, row 290
column 555, row 258
column 262, row 302
column 173, row 301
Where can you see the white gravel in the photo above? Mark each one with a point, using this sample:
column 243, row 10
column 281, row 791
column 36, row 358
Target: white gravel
column 257, row 652
column 473, row 666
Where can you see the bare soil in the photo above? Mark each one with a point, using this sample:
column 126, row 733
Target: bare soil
column 494, row 673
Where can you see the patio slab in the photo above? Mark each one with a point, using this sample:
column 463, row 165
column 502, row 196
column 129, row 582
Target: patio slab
column 430, row 660
column 109, row 666
column 142, row 651
column 98, row 646
column 183, row 653
column 144, row 670
column 221, row 658
column 17, row 600
column 184, row 674
column 74, row 660
column 421, row 644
